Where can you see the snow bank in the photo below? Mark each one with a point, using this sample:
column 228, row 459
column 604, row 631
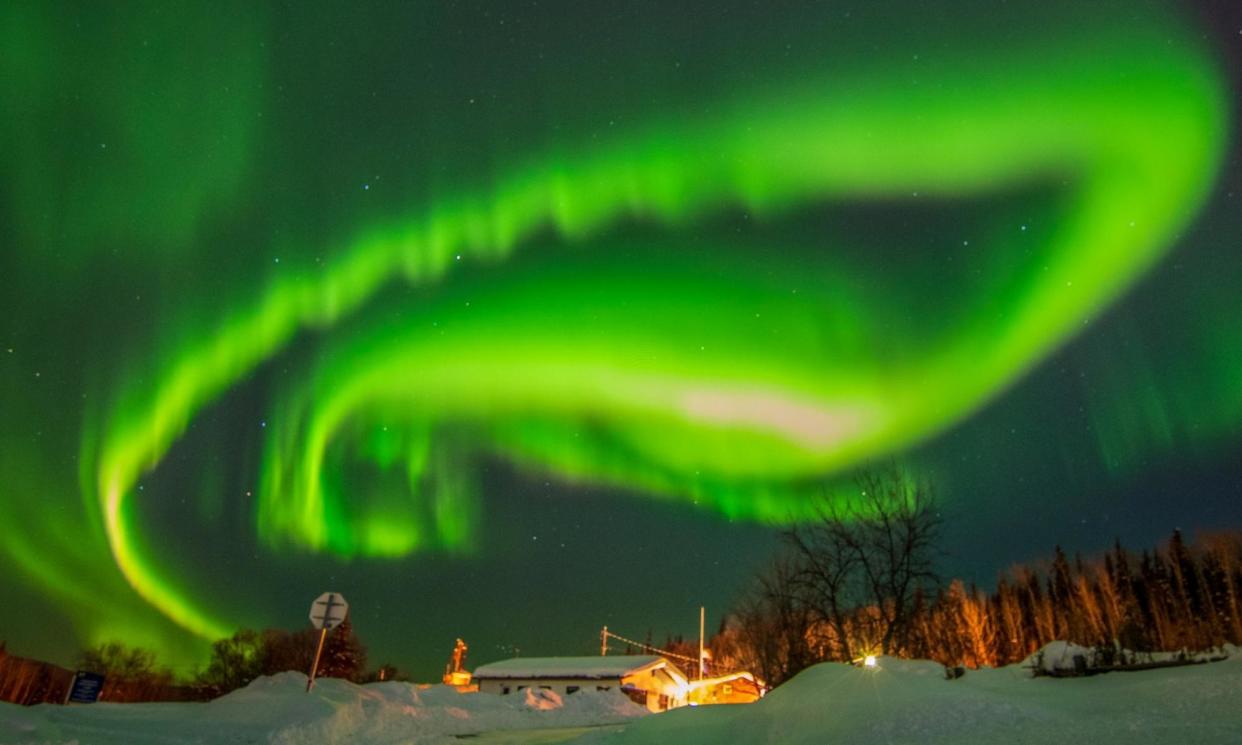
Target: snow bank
column 1059, row 657
column 897, row 702
column 278, row 710
column 911, row 702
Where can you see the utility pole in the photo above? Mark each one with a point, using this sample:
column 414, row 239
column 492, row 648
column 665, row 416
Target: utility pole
column 702, row 614
column 603, row 642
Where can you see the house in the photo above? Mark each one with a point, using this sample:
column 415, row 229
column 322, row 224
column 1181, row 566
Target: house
column 649, row 680
column 733, row 688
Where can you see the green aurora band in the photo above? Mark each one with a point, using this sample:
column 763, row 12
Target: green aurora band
column 595, row 368
column 1137, row 153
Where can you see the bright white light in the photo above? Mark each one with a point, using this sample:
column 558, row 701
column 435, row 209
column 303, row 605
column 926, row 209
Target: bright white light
column 869, row 660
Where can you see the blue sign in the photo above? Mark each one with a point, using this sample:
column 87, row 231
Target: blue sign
column 86, row 688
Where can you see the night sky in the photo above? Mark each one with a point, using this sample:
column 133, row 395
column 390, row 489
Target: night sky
column 512, row 320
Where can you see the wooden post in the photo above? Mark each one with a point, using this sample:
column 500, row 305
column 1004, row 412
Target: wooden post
column 310, row 682
column 603, row 642
column 72, row 681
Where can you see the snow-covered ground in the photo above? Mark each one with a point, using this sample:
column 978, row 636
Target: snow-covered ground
column 897, row 702
column 278, row 710
column 911, row 702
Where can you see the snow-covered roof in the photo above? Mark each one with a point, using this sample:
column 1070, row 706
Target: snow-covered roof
column 726, row 678
column 593, row 668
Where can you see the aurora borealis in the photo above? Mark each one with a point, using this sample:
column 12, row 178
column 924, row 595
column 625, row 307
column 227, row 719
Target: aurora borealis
column 294, row 298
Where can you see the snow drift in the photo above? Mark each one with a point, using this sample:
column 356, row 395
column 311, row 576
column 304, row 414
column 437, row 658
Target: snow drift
column 278, row 710
column 897, row 702
column 911, row 702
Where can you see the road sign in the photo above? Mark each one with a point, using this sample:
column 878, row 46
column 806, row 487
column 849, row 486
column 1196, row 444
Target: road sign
column 328, row 610
column 85, row 688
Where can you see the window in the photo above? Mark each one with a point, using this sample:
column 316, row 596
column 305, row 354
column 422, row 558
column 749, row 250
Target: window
column 603, row 688
column 571, row 689
column 504, row 691
column 727, row 689
column 521, row 688
column 545, row 688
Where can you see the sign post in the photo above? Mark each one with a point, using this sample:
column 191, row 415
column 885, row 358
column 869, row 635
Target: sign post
column 326, row 613
column 85, row 688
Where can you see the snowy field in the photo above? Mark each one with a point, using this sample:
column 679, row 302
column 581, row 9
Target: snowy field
column 910, row 702
column 897, row 702
column 278, row 710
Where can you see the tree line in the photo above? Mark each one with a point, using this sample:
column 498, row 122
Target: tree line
column 249, row 654
column 1177, row 597
column 859, row 580
column 135, row 674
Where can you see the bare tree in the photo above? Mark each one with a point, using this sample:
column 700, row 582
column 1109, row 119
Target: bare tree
column 860, row 564
column 822, row 576
column 775, row 626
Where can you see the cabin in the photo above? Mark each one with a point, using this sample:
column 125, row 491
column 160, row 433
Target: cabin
column 649, row 680
column 733, row 688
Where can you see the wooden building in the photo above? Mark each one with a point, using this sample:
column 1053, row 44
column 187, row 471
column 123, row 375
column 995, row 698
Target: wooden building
column 649, row 680
column 734, row 688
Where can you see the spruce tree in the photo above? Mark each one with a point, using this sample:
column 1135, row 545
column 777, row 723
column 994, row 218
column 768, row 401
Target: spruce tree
column 344, row 656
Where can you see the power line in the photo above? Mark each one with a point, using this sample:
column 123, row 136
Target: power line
column 605, row 634
column 664, row 652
